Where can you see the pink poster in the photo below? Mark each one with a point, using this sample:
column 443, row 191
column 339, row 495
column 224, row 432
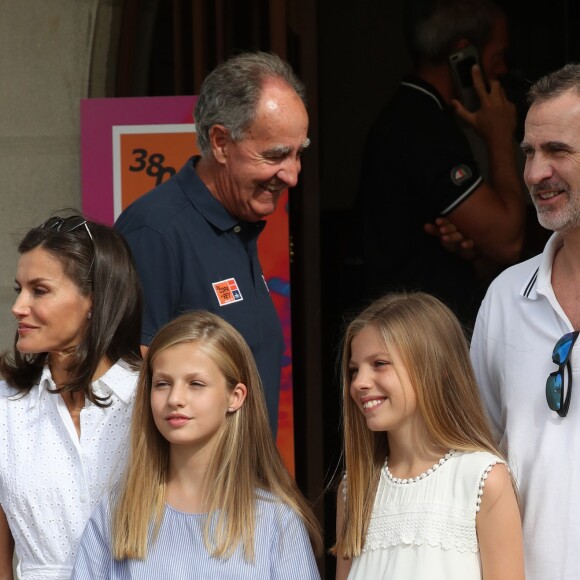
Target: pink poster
column 130, row 145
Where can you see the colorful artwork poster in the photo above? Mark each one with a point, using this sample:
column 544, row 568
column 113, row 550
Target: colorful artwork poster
column 128, row 146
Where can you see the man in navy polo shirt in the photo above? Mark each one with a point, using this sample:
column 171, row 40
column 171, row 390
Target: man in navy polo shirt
column 194, row 237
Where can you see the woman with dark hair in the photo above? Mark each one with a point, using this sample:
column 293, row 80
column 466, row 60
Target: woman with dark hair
column 68, row 390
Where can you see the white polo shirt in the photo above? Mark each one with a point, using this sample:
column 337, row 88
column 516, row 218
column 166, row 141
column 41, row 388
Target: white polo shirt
column 517, row 327
column 50, row 480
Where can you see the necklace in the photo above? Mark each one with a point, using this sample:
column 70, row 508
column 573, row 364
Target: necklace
column 431, row 470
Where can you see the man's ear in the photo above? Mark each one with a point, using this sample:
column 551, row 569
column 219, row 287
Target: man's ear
column 219, row 138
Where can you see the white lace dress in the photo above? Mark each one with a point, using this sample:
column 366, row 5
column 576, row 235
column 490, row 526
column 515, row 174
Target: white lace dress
column 424, row 528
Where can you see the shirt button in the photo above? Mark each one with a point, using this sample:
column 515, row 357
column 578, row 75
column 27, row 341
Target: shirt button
column 237, row 229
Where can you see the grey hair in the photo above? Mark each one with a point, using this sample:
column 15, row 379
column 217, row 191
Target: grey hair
column 555, row 84
column 433, row 27
column 229, row 95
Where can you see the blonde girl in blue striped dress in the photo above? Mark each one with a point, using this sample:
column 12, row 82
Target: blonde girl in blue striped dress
column 206, row 494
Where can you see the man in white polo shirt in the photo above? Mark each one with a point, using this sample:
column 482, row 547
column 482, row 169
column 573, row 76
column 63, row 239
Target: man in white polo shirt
column 523, row 349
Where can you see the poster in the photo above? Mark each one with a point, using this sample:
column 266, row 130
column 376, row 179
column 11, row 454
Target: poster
column 130, row 145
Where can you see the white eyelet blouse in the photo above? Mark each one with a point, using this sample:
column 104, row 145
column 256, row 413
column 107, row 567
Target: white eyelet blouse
column 50, row 480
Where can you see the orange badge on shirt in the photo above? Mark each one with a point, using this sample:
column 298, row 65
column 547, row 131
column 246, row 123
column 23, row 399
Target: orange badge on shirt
column 227, row 291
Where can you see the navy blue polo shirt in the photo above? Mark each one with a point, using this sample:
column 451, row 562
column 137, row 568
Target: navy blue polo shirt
column 191, row 253
column 417, row 166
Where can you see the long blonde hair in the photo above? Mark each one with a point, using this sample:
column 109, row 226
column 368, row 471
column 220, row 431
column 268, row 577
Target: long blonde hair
column 245, row 458
column 434, row 350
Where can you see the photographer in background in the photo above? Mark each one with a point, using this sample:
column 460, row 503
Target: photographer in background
column 418, row 165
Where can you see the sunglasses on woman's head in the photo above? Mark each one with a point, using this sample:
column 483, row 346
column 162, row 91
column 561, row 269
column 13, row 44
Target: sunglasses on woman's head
column 65, row 225
column 558, row 400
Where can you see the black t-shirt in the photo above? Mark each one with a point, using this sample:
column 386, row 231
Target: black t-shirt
column 417, row 166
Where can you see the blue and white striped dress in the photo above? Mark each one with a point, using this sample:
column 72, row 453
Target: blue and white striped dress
column 282, row 549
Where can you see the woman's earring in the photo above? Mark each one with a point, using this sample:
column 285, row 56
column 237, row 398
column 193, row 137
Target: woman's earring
column 230, row 409
column 90, row 314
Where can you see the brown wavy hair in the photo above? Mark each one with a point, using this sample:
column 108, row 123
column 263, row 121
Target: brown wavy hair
column 100, row 266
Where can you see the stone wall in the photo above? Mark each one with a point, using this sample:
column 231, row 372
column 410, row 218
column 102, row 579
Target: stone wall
column 54, row 53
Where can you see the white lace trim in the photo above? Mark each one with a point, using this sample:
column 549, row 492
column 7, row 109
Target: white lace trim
column 436, row 530
column 447, row 525
column 482, row 483
column 426, row 473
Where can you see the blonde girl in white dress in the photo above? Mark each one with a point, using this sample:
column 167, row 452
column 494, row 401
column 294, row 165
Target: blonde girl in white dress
column 427, row 494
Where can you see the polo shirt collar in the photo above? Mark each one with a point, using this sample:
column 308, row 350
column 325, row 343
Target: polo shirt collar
column 539, row 282
column 418, row 84
column 207, row 205
column 114, row 382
